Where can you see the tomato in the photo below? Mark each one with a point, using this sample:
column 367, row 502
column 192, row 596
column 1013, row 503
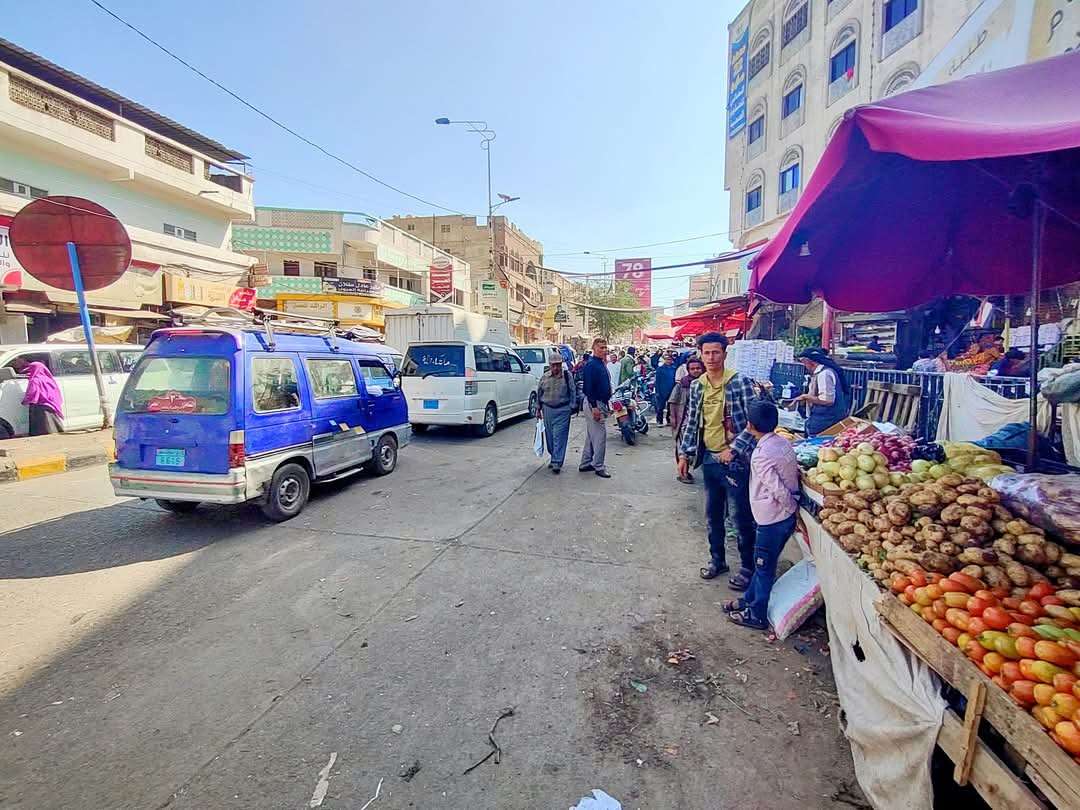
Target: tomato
column 922, row 597
column 1022, row 618
column 1051, row 600
column 1010, row 671
column 977, row 625
column 1075, row 611
column 987, row 638
column 1025, row 646
column 996, row 618
column 1064, row 682
column 975, row 651
column 1076, row 689
column 939, row 624
column 1031, row 608
column 1058, row 612
column 957, row 599
column 1054, row 652
column 1018, row 629
column 948, row 585
column 1043, row 693
column 910, row 591
column 976, row 605
column 986, row 596
column 1010, row 603
column 951, row 634
column 934, row 592
column 1064, row 704
column 993, row 661
column 997, row 680
column 962, row 641
column 1000, row 592
column 1068, row 736
column 904, row 599
column 934, row 578
column 1026, row 669
column 1039, row 590
column 970, row 584
column 918, row 578
column 900, row 583
column 958, row 618
column 1047, row 716
column 927, row 612
column 1006, row 645
column 939, row 608
column 1043, row 671
column 1023, row 692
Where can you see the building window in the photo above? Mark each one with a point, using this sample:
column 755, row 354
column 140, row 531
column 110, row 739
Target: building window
column 459, row 298
column 371, row 274
column 410, row 227
column 756, row 129
column 896, row 11
column 759, row 60
column 22, row 189
column 325, row 269
column 789, row 178
column 445, row 229
column 178, row 232
column 795, row 24
column 753, row 199
column 842, row 65
column 290, row 268
column 792, row 102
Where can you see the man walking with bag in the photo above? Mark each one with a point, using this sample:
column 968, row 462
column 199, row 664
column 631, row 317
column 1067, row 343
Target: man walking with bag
column 715, row 437
column 554, row 403
column 597, row 387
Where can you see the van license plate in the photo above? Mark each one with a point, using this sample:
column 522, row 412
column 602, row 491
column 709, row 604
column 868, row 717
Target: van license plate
column 169, row 458
column 431, row 404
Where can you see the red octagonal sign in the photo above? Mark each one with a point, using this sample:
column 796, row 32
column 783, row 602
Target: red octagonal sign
column 41, row 231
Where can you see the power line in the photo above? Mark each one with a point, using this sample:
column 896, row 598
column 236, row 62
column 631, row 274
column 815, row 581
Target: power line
column 269, row 117
column 636, row 247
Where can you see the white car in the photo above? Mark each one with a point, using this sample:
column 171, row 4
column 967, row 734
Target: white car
column 465, row 383
column 70, row 364
column 535, row 356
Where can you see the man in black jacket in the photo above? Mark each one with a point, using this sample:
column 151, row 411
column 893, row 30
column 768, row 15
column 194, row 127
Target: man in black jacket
column 597, row 391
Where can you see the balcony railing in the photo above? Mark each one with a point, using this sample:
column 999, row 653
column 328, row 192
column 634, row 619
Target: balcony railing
column 755, row 148
column 841, row 86
column 788, row 200
column 755, row 216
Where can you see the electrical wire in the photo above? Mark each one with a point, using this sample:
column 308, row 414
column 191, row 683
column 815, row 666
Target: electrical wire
column 636, row 247
column 269, row 117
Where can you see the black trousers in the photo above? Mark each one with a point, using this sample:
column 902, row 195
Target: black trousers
column 722, row 483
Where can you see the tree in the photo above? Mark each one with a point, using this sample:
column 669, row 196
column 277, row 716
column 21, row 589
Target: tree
column 607, row 325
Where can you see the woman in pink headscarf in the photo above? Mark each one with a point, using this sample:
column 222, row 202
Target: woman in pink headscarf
column 42, row 398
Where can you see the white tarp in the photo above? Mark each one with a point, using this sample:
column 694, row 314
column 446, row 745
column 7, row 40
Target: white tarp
column 891, row 699
column 970, row 411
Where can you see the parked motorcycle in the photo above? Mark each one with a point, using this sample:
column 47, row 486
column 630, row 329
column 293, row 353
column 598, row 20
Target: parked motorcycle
column 631, row 409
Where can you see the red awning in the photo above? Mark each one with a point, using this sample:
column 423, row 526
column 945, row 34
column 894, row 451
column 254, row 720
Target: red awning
column 658, row 334
column 917, row 196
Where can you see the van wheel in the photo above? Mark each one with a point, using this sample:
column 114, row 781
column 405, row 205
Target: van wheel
column 384, row 458
column 289, row 491
column 177, row 507
column 491, row 419
column 532, row 405
column 420, row 428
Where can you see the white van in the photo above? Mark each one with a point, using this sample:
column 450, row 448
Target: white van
column 452, row 382
column 535, row 356
column 70, row 364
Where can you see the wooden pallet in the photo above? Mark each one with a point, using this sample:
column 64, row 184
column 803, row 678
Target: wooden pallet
column 1051, row 769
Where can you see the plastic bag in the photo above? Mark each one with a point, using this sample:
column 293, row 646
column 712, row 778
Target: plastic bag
column 794, row 598
column 598, row 801
column 538, row 442
column 1051, row 502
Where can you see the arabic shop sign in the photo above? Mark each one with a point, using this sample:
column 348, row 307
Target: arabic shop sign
column 737, row 66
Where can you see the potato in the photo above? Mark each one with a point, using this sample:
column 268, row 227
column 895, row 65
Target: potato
column 1017, row 574
column 971, row 500
column 963, row 538
column 950, row 548
column 968, row 488
column 825, row 513
column 951, row 480
column 1054, row 571
column 990, row 495
column 995, row 577
column 951, row 514
column 845, row 528
column 851, row 514
column 877, row 508
column 1068, row 582
column 1001, row 513
column 894, row 535
column 834, row 502
column 934, row 532
column 881, row 524
column 923, row 522
column 1031, row 554
column 923, row 498
column 998, row 526
column 899, row 513
column 1053, row 552
column 1070, row 597
column 1031, row 539
column 1070, row 560
column 855, row 501
column 977, row 556
column 1017, row 527
column 1036, row 576
column 909, row 532
column 972, row 571
column 935, row 561
column 1005, row 545
column 981, row 512
column 975, row 525
column 866, row 517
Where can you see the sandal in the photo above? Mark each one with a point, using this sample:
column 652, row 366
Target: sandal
column 743, row 618
column 686, row 479
column 739, row 582
column 732, row 605
column 713, row 571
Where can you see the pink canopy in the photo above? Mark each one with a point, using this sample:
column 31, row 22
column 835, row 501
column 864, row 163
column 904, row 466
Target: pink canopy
column 916, row 195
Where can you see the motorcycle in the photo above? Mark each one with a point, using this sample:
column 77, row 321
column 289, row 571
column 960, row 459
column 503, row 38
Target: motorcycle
column 631, row 409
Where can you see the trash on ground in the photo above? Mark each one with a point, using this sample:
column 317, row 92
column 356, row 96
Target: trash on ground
column 793, row 727
column 411, row 771
column 677, row 657
column 323, row 785
column 598, row 801
column 711, row 719
column 397, row 728
column 410, row 618
column 639, row 686
column 495, row 751
column 378, row 790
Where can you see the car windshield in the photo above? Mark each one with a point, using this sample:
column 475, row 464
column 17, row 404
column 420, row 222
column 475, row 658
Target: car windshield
column 531, row 356
column 178, row 385
column 434, row 361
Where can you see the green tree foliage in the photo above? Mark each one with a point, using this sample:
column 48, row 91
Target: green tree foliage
column 611, row 324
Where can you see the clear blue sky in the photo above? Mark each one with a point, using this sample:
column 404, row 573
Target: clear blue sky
column 610, row 115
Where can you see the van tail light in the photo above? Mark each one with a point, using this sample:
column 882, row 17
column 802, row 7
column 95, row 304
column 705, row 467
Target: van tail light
column 469, row 373
column 236, row 449
column 472, row 387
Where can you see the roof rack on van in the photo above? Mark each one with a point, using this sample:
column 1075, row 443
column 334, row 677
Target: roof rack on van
column 271, row 320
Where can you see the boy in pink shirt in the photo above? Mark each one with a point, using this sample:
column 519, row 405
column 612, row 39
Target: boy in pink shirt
column 774, row 488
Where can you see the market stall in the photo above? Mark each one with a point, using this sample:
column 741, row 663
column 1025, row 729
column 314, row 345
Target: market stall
column 972, row 569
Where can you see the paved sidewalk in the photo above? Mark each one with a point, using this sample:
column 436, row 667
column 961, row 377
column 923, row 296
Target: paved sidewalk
column 35, row 456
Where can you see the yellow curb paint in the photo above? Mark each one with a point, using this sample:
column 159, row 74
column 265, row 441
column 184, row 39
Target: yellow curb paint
column 41, row 465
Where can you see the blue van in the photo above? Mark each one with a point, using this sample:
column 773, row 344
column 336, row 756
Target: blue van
column 228, row 415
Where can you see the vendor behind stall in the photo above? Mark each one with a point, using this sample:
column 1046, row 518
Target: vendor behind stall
column 829, row 396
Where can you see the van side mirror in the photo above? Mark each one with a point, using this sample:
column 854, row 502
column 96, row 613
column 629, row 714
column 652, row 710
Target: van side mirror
column 397, row 380
column 7, row 373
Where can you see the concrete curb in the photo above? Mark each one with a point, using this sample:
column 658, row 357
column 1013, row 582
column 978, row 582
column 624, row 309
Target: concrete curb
column 28, row 467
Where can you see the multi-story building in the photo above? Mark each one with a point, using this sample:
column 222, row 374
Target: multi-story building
column 795, row 67
column 568, row 323
column 517, row 294
column 177, row 193
column 343, row 265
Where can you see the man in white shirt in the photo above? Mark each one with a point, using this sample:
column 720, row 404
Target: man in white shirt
column 613, row 366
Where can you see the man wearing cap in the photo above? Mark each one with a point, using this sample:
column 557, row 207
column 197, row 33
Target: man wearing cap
column 555, row 402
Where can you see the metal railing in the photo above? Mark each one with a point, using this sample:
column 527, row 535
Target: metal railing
column 932, row 386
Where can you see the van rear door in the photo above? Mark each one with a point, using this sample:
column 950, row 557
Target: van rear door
column 433, row 379
column 176, row 411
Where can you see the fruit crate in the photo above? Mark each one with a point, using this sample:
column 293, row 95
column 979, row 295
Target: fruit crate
column 1038, row 758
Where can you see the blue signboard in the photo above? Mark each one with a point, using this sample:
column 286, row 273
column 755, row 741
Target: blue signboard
column 736, row 108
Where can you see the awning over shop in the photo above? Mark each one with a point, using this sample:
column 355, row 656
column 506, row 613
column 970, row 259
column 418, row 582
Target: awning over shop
column 27, row 309
column 658, row 334
column 929, row 193
column 711, row 317
column 131, row 314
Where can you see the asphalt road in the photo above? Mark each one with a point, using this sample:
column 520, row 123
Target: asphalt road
column 218, row 661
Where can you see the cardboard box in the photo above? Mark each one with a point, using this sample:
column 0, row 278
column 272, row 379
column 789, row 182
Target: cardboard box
column 863, row 428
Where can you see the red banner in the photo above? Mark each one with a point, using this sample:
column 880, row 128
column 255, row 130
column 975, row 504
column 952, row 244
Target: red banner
column 638, row 273
column 441, row 279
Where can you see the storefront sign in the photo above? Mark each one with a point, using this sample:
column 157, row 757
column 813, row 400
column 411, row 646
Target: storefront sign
column 314, row 309
column 183, row 290
column 638, row 273
column 492, row 311
column 441, row 279
column 561, row 315
column 10, row 269
column 489, row 289
column 351, row 286
column 354, row 312
column 737, row 66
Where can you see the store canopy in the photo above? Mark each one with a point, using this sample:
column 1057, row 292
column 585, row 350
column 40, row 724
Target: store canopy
column 709, row 318
column 928, row 194
column 658, row 334
column 131, row 314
